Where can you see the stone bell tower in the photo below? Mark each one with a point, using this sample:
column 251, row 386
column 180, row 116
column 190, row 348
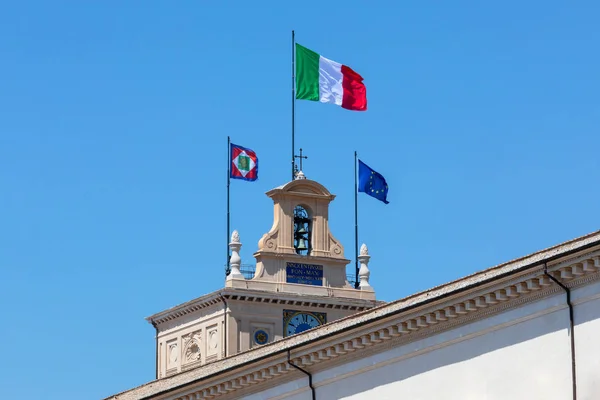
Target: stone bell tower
column 299, row 254
column 299, row 284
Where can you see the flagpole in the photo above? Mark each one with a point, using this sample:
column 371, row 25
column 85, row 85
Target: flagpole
column 228, row 215
column 356, row 282
column 293, row 100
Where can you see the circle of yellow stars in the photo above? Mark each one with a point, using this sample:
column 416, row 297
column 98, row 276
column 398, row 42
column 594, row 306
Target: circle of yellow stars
column 371, row 185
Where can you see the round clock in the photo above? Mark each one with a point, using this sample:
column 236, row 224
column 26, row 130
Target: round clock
column 301, row 322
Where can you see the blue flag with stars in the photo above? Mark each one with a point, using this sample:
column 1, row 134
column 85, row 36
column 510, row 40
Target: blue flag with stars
column 372, row 182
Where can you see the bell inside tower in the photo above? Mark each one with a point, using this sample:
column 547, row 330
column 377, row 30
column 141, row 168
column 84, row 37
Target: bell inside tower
column 302, row 231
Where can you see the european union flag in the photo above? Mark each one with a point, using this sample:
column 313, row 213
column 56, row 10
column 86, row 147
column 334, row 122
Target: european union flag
column 372, row 182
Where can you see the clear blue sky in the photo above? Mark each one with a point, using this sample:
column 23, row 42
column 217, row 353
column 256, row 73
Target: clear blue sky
column 114, row 116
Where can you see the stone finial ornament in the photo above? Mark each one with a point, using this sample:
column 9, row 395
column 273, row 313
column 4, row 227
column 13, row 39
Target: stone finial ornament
column 364, row 251
column 363, row 272
column 300, row 175
column 235, row 260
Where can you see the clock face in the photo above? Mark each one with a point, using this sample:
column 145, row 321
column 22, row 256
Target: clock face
column 298, row 321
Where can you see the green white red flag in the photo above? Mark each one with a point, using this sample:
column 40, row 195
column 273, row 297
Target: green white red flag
column 321, row 79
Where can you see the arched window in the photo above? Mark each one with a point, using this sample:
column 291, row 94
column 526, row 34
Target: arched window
column 302, row 231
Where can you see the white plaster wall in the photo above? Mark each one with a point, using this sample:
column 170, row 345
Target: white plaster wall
column 510, row 363
column 523, row 353
column 295, row 390
column 587, row 340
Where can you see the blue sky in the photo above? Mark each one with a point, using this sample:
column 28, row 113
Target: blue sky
column 483, row 117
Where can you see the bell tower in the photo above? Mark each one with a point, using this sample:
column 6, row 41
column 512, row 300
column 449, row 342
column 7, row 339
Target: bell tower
column 299, row 283
column 299, row 254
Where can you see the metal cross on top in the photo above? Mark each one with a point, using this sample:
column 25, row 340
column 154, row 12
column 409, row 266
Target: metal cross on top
column 300, row 157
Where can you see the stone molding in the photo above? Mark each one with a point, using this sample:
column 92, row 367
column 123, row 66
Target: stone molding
column 287, row 299
column 185, row 308
column 405, row 329
column 305, row 187
column 423, row 314
column 396, row 342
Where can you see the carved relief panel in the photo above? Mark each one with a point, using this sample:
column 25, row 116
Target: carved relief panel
column 191, row 344
column 213, row 341
column 172, row 357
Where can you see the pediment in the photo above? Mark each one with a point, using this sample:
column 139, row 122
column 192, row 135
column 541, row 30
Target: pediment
column 302, row 186
column 306, row 189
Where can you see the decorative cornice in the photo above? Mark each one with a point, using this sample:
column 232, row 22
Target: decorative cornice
column 185, row 308
column 394, row 343
column 316, row 189
column 400, row 331
column 356, row 305
column 423, row 314
column 287, row 299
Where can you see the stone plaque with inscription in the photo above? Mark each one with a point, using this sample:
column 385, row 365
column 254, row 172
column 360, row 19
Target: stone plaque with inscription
column 307, row 274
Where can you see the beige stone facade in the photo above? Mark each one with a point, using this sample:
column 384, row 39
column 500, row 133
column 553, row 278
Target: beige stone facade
column 526, row 329
column 248, row 313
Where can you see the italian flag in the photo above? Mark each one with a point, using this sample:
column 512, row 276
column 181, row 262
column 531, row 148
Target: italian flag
column 321, row 79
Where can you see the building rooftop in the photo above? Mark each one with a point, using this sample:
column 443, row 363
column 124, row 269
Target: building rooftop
column 380, row 312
